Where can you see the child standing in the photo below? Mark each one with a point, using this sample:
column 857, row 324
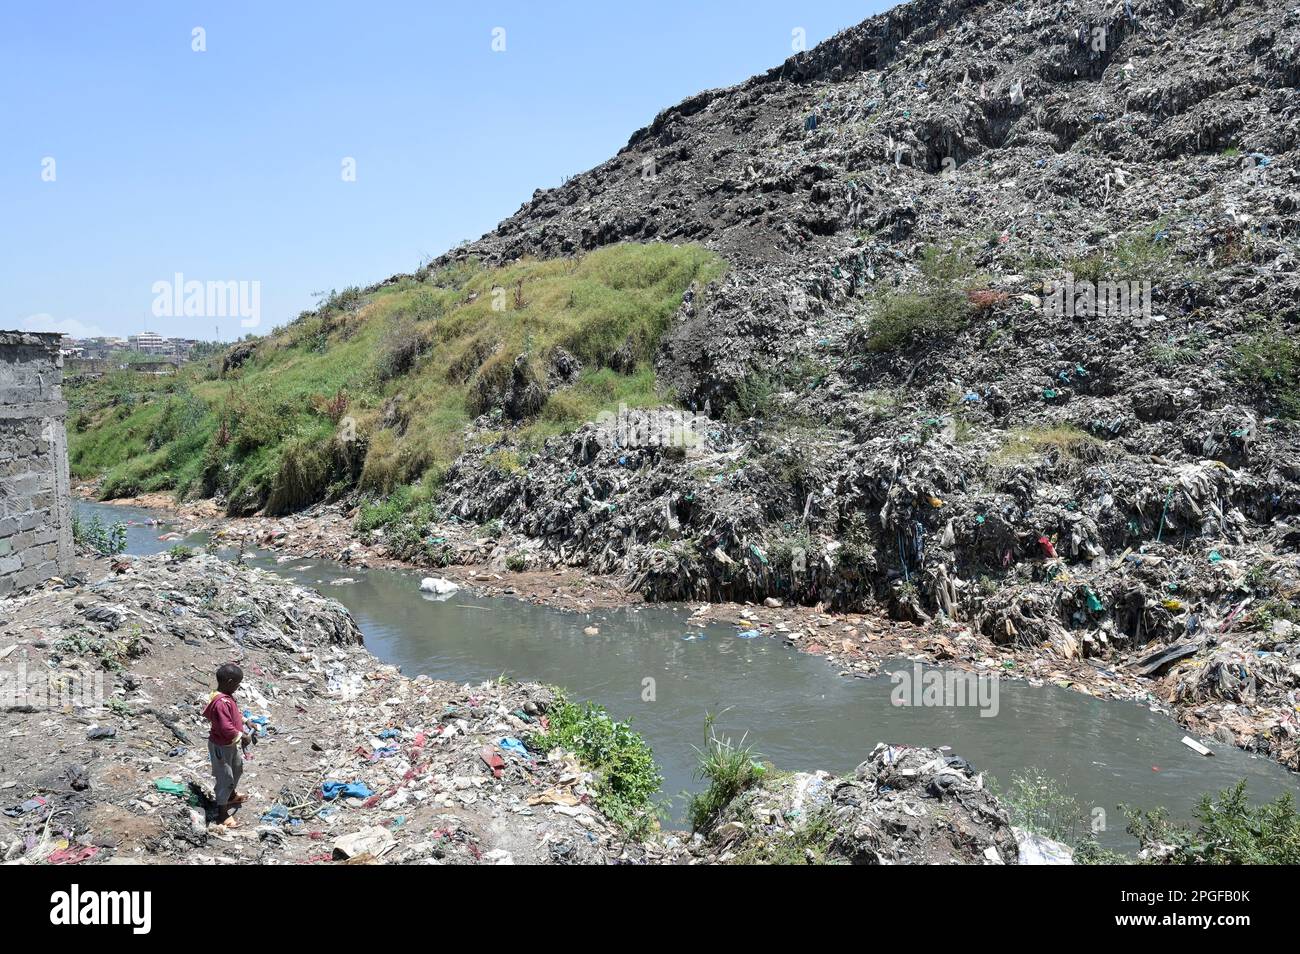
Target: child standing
column 225, row 740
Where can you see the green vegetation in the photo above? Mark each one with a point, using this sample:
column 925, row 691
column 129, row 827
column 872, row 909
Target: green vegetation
column 1064, row 442
column 757, row 392
column 110, row 649
column 806, row 844
column 939, row 308
column 1231, row 831
column 628, row 777
column 374, row 389
column 1270, row 362
column 729, row 767
column 1038, row 804
column 1146, row 255
column 92, row 534
column 1175, row 352
column 404, row 516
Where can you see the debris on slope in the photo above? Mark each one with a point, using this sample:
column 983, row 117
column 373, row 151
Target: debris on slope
column 901, row 806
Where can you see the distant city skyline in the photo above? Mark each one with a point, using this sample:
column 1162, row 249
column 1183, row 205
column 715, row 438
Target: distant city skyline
column 268, row 155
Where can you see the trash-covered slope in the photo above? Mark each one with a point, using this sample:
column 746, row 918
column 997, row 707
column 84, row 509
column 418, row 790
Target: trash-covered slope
column 1008, row 332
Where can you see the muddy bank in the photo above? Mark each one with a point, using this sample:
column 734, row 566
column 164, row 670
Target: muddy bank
column 1231, row 681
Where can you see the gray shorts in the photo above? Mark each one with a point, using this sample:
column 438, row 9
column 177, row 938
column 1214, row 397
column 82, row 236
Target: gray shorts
column 227, row 766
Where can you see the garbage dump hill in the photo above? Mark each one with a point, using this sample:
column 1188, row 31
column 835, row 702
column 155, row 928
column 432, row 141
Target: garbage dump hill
column 1007, row 332
column 979, row 314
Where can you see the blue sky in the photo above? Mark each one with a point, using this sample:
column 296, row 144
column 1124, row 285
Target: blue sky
column 227, row 164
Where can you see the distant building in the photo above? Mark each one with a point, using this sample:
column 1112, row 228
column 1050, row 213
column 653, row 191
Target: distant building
column 147, row 342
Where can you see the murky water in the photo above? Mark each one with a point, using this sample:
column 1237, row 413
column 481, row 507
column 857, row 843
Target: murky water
column 796, row 709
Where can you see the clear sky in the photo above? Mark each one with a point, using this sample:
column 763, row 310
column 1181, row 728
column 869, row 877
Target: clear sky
column 126, row 156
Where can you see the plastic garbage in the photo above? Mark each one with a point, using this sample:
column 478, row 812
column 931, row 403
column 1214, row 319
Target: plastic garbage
column 332, row 790
column 1038, row 849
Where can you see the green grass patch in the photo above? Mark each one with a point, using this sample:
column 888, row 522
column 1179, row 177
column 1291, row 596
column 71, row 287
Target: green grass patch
column 730, row 767
column 375, row 389
column 938, row 307
column 1065, row 442
column 1270, row 362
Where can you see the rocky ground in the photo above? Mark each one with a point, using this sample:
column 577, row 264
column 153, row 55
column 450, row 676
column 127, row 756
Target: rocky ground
column 103, row 756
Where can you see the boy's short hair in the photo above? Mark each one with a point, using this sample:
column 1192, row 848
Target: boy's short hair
column 229, row 672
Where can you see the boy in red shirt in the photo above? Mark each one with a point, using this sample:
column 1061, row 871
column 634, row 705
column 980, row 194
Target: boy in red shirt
column 225, row 740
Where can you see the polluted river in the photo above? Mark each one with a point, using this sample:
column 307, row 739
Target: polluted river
column 648, row 665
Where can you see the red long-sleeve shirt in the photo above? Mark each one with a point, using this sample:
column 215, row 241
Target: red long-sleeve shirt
column 227, row 721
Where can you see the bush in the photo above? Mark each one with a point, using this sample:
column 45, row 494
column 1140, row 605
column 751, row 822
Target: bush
column 399, row 349
column 1231, row 832
column 1038, row 804
column 404, row 516
column 1270, row 362
column 304, row 473
column 940, row 308
column 93, row 535
column 628, row 778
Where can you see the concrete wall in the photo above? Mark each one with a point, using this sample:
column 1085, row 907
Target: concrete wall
column 35, row 499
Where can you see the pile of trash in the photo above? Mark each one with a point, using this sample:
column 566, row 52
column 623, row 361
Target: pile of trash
column 106, row 759
column 1050, row 478
column 902, row 805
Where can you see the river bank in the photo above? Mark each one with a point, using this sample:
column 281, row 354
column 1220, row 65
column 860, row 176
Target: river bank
column 104, row 758
column 105, row 753
column 1236, row 685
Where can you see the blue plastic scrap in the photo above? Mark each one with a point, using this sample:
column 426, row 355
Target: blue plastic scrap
column 332, row 790
column 513, row 746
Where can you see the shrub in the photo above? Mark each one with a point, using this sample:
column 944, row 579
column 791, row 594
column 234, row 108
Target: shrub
column 628, row 778
column 729, row 767
column 1231, row 831
column 303, row 475
column 1038, row 804
column 941, row 307
column 1270, row 362
column 398, row 351
column 92, row 534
